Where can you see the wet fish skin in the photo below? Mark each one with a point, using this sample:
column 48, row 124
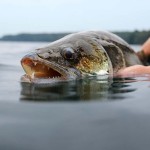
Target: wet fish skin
column 86, row 53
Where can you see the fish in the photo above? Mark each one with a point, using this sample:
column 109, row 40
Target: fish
column 78, row 55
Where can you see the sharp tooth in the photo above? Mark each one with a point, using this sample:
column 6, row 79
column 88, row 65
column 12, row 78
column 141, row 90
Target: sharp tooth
column 32, row 75
column 35, row 63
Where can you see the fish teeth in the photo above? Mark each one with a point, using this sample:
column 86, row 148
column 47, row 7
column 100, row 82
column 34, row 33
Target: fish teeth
column 35, row 63
column 54, row 77
column 32, row 75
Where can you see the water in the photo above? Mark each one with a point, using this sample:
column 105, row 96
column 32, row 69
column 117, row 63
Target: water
column 95, row 113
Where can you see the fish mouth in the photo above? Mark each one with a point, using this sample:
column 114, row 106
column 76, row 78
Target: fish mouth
column 37, row 68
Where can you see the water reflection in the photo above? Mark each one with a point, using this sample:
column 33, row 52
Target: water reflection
column 79, row 90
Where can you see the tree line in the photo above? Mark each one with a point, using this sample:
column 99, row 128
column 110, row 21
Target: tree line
column 44, row 37
column 135, row 37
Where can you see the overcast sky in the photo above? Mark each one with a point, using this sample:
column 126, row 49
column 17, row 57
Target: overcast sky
column 38, row 16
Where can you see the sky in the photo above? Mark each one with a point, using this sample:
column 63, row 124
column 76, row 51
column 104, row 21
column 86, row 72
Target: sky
column 51, row 16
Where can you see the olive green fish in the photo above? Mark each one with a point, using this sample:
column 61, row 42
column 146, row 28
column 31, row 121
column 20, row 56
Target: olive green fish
column 89, row 53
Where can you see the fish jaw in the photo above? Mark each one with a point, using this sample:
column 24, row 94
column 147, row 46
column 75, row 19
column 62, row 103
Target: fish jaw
column 37, row 68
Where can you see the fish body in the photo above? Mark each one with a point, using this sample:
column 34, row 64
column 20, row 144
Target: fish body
column 80, row 54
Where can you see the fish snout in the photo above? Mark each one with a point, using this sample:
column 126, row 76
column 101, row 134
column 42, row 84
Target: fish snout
column 35, row 67
column 28, row 59
column 29, row 62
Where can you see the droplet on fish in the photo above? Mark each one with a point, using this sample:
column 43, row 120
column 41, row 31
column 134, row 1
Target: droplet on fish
column 44, row 55
column 102, row 72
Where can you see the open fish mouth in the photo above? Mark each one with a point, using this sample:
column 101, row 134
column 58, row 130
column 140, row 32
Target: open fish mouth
column 37, row 68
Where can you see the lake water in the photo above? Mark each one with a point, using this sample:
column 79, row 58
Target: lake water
column 95, row 113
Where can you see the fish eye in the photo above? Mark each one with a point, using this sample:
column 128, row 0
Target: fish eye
column 68, row 53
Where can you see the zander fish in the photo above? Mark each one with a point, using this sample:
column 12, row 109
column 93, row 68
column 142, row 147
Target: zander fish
column 89, row 53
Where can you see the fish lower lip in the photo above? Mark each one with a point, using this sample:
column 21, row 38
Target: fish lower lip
column 37, row 69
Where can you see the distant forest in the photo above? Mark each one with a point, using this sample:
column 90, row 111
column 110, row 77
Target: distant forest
column 135, row 37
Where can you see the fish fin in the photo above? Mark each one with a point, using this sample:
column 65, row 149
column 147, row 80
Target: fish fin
column 115, row 54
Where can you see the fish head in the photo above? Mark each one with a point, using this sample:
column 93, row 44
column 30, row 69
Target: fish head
column 67, row 59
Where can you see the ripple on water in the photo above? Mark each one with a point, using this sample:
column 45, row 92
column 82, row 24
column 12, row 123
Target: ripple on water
column 89, row 89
